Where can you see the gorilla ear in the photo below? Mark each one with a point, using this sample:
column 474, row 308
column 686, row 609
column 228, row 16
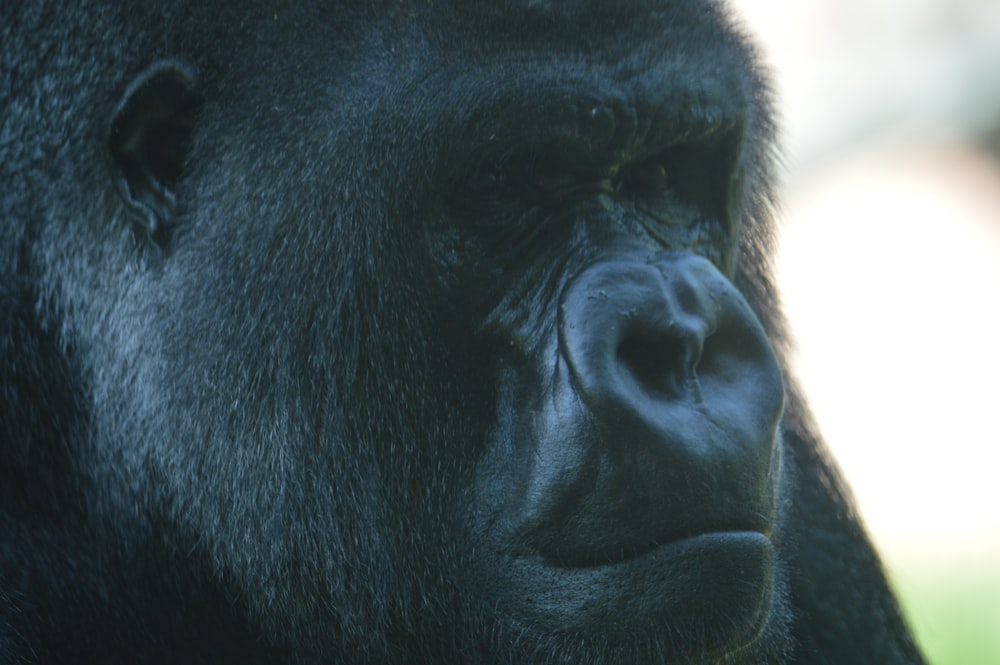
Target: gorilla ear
column 149, row 142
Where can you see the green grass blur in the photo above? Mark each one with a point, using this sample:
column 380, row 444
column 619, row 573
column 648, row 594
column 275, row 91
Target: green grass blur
column 954, row 610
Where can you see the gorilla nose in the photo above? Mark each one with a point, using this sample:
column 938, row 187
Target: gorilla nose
column 630, row 336
column 681, row 396
column 665, row 352
column 654, row 343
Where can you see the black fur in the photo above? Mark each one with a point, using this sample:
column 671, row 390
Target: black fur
column 290, row 294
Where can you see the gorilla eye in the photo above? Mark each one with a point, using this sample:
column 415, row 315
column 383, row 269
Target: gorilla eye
column 648, row 178
column 696, row 174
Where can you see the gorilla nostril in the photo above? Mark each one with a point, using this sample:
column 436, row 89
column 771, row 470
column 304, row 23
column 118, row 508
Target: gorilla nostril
column 662, row 362
column 649, row 360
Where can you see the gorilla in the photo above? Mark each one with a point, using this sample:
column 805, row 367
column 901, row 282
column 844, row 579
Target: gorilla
column 405, row 331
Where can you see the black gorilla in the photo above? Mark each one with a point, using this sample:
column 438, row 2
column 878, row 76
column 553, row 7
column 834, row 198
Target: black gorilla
column 404, row 332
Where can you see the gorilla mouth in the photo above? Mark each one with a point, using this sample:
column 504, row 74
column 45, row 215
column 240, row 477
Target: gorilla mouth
column 721, row 581
column 625, row 554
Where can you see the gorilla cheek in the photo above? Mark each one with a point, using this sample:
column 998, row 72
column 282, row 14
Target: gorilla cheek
column 632, row 489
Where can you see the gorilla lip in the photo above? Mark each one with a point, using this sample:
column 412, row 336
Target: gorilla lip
column 625, row 554
column 691, row 581
column 626, row 550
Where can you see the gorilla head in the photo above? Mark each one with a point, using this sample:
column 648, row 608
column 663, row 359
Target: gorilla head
column 405, row 332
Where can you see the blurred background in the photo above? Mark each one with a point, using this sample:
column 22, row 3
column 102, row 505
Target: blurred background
column 890, row 270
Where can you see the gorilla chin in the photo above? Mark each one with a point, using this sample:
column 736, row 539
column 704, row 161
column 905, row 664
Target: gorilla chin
column 712, row 589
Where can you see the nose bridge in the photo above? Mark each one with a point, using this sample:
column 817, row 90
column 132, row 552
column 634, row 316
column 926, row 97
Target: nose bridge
column 636, row 325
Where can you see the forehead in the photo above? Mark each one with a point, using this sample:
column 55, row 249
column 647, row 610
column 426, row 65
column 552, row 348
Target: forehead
column 617, row 37
column 574, row 22
column 597, row 32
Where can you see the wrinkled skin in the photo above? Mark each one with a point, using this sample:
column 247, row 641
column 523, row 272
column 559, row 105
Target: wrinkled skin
column 404, row 332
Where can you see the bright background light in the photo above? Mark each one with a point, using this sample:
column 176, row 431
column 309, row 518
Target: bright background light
column 890, row 272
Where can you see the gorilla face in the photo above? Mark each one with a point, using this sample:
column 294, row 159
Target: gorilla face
column 499, row 312
column 438, row 332
column 627, row 485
